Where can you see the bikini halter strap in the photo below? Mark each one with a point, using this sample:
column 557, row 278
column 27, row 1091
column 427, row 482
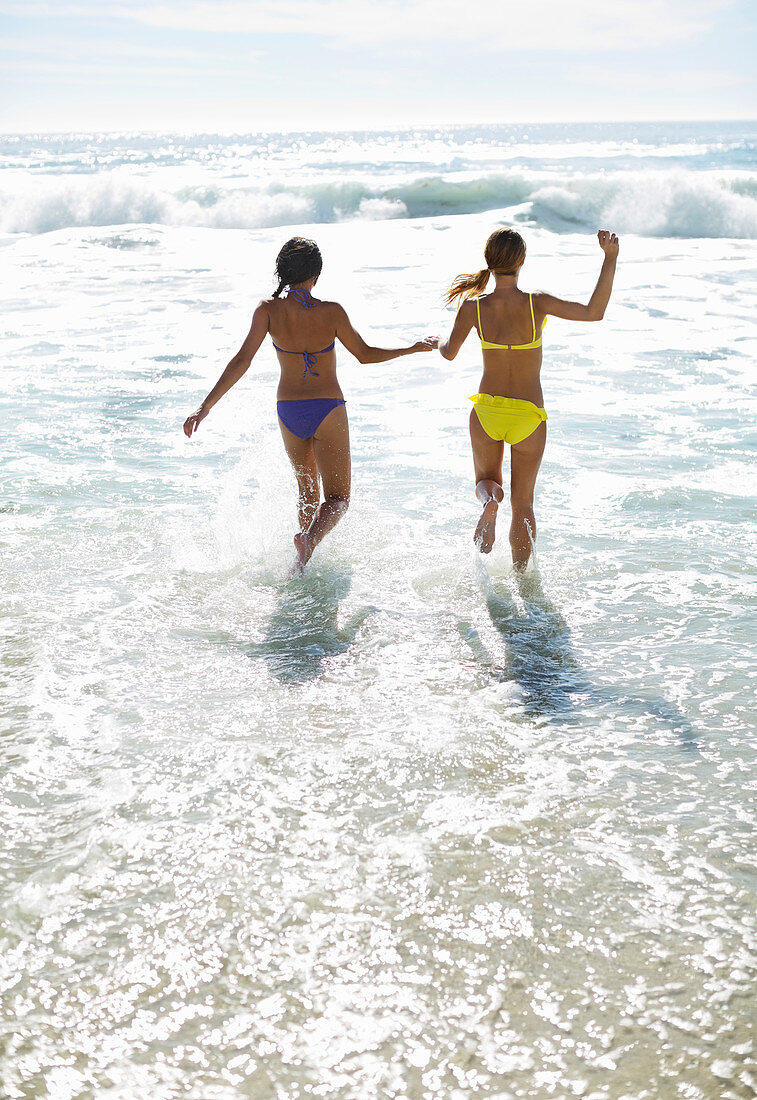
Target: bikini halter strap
column 303, row 297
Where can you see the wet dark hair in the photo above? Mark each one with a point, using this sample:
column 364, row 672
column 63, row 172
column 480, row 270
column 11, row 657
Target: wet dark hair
column 299, row 259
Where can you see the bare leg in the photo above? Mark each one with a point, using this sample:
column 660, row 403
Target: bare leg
column 331, row 446
column 490, row 493
column 302, row 457
column 487, row 463
column 525, row 459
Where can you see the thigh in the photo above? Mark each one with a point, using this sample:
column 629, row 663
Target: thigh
column 301, row 455
column 525, row 460
column 331, row 444
column 487, row 452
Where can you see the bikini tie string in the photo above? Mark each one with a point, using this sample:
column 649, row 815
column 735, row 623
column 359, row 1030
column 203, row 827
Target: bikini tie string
column 310, row 362
column 303, row 297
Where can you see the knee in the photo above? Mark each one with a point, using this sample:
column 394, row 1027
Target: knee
column 489, row 486
column 339, row 501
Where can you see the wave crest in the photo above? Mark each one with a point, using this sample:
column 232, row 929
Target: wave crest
column 658, row 204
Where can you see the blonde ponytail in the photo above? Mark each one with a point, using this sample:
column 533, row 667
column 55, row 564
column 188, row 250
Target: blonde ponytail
column 505, row 253
column 468, row 286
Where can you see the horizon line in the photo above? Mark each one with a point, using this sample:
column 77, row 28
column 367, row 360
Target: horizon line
column 368, row 126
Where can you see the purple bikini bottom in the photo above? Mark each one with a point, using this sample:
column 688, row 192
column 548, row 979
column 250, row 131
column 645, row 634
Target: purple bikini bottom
column 303, row 418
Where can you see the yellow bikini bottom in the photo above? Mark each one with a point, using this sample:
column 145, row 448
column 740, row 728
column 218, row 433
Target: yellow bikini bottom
column 507, row 418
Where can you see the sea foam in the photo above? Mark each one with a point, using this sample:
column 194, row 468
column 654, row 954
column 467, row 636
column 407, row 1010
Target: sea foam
column 668, row 203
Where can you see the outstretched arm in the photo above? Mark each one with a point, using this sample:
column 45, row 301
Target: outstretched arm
column 449, row 348
column 595, row 310
column 363, row 352
column 235, row 368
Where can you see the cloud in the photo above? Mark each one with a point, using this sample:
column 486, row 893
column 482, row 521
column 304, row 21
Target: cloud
column 69, row 49
column 83, row 72
column 678, row 80
column 496, row 25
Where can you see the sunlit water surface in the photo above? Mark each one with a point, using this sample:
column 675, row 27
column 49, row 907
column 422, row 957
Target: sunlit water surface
column 407, row 826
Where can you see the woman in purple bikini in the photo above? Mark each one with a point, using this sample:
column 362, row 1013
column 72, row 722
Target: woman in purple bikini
column 310, row 405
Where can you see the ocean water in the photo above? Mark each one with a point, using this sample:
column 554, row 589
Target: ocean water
column 408, row 826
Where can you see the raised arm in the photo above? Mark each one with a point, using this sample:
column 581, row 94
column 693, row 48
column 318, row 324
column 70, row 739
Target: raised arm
column 449, row 348
column 235, row 368
column 595, row 310
column 363, row 352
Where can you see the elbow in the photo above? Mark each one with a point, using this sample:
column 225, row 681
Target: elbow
column 595, row 314
column 445, row 353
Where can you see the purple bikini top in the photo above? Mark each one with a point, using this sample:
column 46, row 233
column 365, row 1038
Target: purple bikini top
column 305, row 299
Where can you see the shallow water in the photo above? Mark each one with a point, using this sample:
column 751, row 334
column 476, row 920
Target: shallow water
column 407, row 826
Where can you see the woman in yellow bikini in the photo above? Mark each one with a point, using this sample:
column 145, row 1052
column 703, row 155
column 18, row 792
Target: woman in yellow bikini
column 509, row 406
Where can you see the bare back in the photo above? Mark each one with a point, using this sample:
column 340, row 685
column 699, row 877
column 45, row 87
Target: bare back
column 297, row 332
column 506, row 319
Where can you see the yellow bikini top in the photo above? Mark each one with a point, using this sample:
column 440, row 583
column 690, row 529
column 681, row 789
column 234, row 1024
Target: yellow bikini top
column 487, row 344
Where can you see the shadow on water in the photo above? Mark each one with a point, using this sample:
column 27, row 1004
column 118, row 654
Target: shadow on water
column 303, row 631
column 539, row 658
column 537, row 653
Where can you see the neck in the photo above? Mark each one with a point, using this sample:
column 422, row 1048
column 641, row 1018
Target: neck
column 301, row 294
column 506, row 282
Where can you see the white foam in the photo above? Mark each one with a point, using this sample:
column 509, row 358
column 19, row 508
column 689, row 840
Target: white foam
column 665, row 203
column 651, row 204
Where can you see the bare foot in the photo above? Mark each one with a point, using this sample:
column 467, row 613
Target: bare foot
column 485, row 528
column 304, row 548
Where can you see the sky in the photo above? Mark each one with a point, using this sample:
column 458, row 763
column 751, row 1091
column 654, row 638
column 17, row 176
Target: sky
column 238, row 66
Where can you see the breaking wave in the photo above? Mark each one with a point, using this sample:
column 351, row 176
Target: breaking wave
column 655, row 204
